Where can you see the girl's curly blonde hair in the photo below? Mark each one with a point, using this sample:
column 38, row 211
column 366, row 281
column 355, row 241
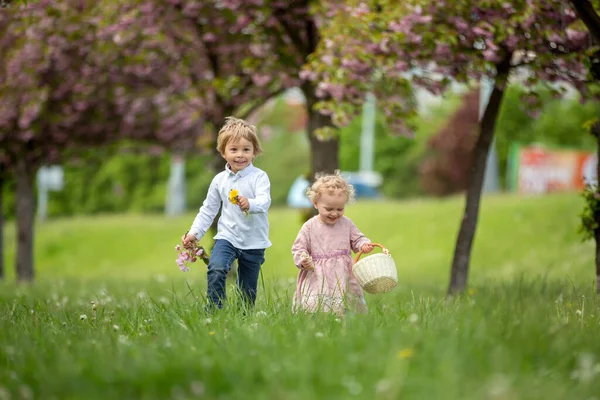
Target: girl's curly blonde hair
column 329, row 183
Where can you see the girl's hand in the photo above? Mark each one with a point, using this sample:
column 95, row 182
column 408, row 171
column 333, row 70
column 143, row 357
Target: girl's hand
column 366, row 248
column 243, row 203
column 188, row 240
column 307, row 262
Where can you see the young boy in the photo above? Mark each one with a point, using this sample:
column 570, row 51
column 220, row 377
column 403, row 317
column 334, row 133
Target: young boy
column 243, row 190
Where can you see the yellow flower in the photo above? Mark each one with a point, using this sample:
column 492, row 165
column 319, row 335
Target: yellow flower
column 233, row 199
column 233, row 196
column 472, row 291
column 211, row 333
column 406, row 353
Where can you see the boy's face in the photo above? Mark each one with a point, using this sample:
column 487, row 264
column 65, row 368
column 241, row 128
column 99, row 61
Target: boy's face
column 239, row 154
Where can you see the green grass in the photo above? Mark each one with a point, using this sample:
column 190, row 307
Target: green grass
column 527, row 329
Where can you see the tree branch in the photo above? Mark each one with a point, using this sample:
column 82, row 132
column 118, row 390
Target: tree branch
column 291, row 32
column 588, row 15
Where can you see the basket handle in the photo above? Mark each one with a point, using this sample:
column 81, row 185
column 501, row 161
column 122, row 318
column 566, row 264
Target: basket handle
column 360, row 252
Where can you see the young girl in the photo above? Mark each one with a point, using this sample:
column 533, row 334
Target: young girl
column 322, row 251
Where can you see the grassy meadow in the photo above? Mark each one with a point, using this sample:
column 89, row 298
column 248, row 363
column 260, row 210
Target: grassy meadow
column 111, row 316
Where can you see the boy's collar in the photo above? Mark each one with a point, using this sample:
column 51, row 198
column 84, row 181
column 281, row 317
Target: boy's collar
column 241, row 173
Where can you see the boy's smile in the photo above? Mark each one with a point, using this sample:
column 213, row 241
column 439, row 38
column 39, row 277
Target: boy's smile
column 239, row 154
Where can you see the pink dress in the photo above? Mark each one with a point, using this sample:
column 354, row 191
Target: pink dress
column 331, row 287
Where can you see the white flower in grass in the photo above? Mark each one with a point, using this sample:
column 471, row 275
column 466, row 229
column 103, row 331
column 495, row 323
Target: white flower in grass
column 319, row 335
column 83, row 317
column 124, row 340
column 25, row 392
column 197, row 388
column 4, row 393
column 499, row 386
column 586, row 368
column 413, row 318
column 116, row 327
column 354, row 388
column 261, row 314
column 383, row 386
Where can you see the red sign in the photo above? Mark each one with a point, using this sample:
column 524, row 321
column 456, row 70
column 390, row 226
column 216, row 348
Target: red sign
column 541, row 170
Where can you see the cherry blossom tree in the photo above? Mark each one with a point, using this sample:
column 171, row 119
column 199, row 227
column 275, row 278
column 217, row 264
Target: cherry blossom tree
column 78, row 74
column 282, row 36
column 430, row 45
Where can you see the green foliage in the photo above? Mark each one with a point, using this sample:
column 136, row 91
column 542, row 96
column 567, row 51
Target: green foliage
column 397, row 158
column 591, row 208
column 131, row 181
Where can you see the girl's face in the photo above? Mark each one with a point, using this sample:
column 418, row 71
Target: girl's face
column 239, row 154
column 331, row 206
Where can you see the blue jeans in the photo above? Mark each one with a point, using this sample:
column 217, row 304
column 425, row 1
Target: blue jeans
column 249, row 263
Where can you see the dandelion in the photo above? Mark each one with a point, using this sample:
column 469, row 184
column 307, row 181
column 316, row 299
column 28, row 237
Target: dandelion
column 406, row 353
column 83, row 317
column 234, row 199
column 319, row 334
column 211, row 333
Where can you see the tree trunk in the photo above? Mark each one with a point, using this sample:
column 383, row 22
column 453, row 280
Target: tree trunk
column 176, row 186
column 586, row 12
column 464, row 242
column 2, row 178
column 596, row 133
column 324, row 153
column 25, row 213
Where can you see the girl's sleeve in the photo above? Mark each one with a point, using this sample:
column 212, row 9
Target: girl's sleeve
column 301, row 245
column 357, row 239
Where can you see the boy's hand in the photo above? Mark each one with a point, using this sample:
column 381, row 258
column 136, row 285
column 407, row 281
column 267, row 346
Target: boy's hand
column 366, row 248
column 243, row 203
column 188, row 240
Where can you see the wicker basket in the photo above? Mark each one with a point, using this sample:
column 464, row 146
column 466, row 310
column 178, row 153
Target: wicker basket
column 376, row 273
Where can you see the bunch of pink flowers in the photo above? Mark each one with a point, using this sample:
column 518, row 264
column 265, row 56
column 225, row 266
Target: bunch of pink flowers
column 190, row 255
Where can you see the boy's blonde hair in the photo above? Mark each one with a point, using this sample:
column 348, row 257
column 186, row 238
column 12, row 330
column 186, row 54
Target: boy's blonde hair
column 234, row 130
column 329, row 183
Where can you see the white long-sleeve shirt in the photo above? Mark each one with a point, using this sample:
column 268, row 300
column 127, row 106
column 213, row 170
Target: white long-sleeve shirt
column 242, row 231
